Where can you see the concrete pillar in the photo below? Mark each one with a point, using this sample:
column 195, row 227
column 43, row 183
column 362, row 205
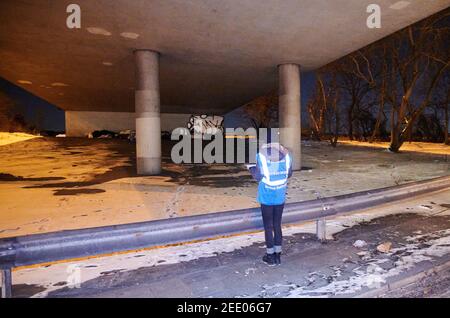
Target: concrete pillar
column 290, row 111
column 147, row 107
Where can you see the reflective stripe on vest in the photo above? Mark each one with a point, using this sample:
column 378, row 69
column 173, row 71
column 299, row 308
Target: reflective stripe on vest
column 265, row 169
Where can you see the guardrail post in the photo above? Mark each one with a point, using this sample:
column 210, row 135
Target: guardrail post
column 6, row 283
column 321, row 229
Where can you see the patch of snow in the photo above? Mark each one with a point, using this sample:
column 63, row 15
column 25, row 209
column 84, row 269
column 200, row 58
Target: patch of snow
column 360, row 244
column 373, row 275
column 250, row 270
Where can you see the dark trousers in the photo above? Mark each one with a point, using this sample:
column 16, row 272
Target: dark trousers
column 272, row 215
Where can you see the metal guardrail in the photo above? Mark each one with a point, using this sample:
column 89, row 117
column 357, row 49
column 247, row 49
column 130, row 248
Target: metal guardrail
column 71, row 244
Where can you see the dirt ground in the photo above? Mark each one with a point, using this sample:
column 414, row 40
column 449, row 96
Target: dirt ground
column 50, row 184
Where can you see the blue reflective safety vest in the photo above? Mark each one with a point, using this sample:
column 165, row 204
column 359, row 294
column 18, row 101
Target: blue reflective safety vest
column 273, row 185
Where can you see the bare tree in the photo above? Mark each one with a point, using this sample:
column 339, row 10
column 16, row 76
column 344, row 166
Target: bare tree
column 413, row 60
column 323, row 107
column 354, row 90
column 381, row 95
column 419, row 57
column 441, row 103
column 10, row 119
column 446, row 105
column 400, row 74
column 316, row 110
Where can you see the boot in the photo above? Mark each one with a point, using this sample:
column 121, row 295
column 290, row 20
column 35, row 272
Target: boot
column 278, row 258
column 269, row 259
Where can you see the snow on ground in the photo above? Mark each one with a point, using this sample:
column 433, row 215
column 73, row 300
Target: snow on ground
column 10, row 138
column 51, row 277
column 373, row 276
column 421, row 147
column 53, row 184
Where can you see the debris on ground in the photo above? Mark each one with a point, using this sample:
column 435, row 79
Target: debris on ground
column 128, row 134
column 364, row 255
column 107, row 134
column 50, row 133
column 384, row 247
column 102, row 134
column 360, row 244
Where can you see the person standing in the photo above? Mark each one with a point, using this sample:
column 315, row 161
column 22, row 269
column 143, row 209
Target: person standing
column 272, row 170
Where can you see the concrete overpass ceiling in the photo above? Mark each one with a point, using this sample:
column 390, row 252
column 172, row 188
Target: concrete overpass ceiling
column 215, row 54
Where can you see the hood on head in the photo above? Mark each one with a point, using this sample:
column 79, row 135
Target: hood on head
column 273, row 152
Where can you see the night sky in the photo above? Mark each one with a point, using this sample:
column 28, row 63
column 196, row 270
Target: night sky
column 37, row 112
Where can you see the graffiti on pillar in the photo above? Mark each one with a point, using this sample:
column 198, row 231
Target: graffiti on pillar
column 204, row 124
